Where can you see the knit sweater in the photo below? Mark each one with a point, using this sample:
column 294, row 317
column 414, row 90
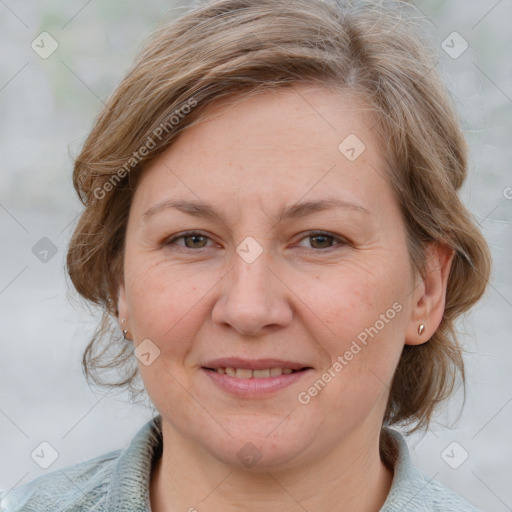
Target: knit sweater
column 119, row 481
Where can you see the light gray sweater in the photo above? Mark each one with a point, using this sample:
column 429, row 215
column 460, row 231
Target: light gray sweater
column 118, row 481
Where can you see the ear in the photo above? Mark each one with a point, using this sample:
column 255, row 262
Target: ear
column 430, row 294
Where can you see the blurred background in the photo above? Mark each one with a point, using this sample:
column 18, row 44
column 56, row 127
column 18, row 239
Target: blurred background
column 59, row 63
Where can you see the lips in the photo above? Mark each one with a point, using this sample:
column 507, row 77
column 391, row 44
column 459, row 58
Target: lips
column 254, row 364
column 253, row 378
column 261, row 387
column 247, row 373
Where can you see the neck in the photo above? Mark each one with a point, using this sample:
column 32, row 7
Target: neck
column 351, row 475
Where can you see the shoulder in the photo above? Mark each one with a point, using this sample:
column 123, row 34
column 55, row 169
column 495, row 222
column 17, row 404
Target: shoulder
column 115, row 481
column 71, row 488
column 443, row 499
column 412, row 489
column 429, row 495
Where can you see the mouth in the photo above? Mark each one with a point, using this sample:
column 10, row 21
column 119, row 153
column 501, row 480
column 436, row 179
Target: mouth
column 254, row 378
column 247, row 373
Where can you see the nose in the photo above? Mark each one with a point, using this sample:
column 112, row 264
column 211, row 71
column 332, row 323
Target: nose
column 253, row 298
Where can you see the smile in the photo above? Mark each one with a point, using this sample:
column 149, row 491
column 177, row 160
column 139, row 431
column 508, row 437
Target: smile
column 247, row 383
column 247, row 373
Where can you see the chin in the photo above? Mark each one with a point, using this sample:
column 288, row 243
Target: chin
column 262, row 448
column 259, row 458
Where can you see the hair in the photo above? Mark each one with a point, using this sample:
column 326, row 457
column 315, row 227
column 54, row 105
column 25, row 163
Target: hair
column 230, row 49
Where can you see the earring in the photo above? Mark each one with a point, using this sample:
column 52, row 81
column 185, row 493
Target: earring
column 421, row 328
column 125, row 331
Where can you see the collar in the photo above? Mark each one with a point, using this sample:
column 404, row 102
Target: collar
column 131, row 475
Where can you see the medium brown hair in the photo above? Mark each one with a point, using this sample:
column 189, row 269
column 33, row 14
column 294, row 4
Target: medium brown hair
column 237, row 48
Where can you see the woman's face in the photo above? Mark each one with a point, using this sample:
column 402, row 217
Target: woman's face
column 269, row 274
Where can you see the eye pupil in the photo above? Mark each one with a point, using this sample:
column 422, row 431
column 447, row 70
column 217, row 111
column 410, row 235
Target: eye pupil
column 195, row 237
column 324, row 237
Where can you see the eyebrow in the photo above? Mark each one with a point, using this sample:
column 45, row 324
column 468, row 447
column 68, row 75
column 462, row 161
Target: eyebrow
column 299, row 210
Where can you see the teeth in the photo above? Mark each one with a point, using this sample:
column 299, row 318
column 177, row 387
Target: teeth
column 259, row 374
column 246, row 373
column 242, row 373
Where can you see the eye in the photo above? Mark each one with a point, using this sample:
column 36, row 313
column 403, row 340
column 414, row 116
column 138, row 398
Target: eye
column 323, row 240
column 196, row 238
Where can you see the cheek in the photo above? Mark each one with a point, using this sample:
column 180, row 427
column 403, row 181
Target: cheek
column 352, row 298
column 164, row 307
column 364, row 314
column 160, row 299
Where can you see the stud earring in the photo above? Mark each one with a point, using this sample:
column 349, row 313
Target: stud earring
column 421, row 328
column 125, row 331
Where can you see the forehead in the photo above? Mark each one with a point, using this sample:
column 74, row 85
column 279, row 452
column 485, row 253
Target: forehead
column 277, row 145
column 299, row 118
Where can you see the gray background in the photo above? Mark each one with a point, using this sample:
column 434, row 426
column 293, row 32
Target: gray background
column 48, row 106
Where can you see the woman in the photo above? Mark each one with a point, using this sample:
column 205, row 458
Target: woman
column 271, row 217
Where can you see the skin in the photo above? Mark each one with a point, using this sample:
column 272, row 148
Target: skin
column 303, row 299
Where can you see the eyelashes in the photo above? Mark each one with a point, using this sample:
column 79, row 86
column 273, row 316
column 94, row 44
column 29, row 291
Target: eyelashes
column 318, row 235
column 188, row 234
column 324, row 235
